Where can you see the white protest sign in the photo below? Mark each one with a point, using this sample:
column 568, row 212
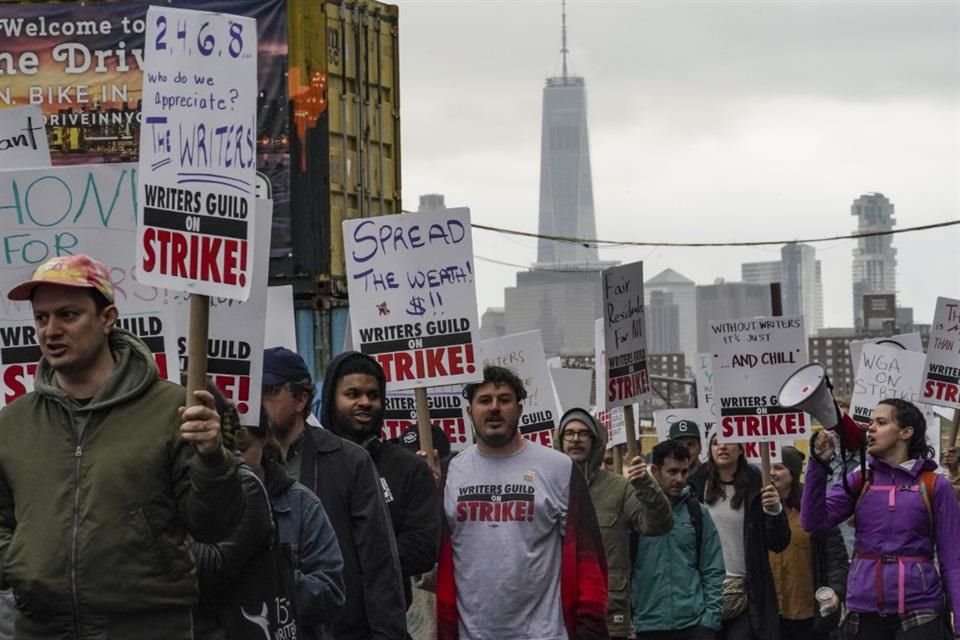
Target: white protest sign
column 198, row 152
column 625, row 337
column 907, row 341
column 600, row 364
column 523, row 354
column 615, row 423
column 703, row 374
column 23, row 138
column 68, row 211
column 941, row 372
column 572, row 386
column 413, row 302
column 663, row 418
column 281, row 326
column 887, row 372
column 447, row 411
column 751, row 360
column 236, row 336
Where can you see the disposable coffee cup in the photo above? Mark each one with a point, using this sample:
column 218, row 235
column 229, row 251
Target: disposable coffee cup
column 825, row 596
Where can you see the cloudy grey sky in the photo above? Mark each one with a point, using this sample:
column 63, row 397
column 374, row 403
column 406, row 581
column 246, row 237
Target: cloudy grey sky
column 710, row 120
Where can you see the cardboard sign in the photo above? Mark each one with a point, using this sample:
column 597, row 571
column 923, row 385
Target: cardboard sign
column 751, row 360
column 886, row 372
column 280, row 330
column 625, row 336
column 236, row 335
column 447, row 411
column 23, row 138
column 907, row 341
column 67, row 211
column 198, row 153
column 572, row 386
column 941, row 373
column 523, row 354
column 413, row 302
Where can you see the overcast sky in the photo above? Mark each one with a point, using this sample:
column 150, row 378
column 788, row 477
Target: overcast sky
column 708, row 120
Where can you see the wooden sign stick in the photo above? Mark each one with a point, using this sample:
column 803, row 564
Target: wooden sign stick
column 617, row 460
column 630, row 424
column 197, row 346
column 424, row 428
column 776, row 306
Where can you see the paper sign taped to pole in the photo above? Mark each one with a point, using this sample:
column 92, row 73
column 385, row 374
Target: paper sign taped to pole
column 625, row 336
column 751, row 360
column 198, row 152
column 941, row 374
column 23, row 138
column 413, row 302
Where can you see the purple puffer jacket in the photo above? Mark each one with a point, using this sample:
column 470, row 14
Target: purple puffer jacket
column 893, row 539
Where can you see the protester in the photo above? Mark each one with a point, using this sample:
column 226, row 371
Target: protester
column 687, row 433
column 810, row 562
column 343, row 476
column 678, row 577
column 354, row 389
column 522, row 556
column 842, row 465
column 623, row 508
column 608, row 464
column 103, row 474
column 951, row 464
column 903, row 510
column 302, row 524
column 750, row 521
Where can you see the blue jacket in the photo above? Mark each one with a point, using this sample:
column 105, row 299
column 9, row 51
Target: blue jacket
column 302, row 523
column 670, row 590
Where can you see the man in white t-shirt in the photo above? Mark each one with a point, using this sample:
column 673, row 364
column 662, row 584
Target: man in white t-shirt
column 521, row 555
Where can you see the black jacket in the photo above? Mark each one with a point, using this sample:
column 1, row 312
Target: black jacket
column 344, row 478
column 830, row 567
column 407, row 482
column 762, row 533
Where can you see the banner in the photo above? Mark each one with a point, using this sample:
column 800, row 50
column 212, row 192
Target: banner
column 51, row 212
column 447, row 411
column 523, row 354
column 198, row 152
column 941, row 373
column 751, row 360
column 23, row 140
column 413, row 302
column 237, row 332
column 625, row 337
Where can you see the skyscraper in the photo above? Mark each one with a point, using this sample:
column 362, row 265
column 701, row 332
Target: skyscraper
column 801, row 287
column 682, row 292
column 874, row 258
column 728, row 301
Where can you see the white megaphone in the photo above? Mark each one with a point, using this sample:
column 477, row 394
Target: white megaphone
column 808, row 389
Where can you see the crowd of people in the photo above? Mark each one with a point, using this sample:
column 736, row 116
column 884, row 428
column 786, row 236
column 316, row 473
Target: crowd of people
column 126, row 514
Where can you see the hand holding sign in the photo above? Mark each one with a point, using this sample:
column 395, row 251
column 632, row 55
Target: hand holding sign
column 200, row 423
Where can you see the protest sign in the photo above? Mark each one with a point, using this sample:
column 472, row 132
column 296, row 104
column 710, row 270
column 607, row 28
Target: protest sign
column 600, row 365
column 198, row 152
column 23, row 138
column 235, row 341
column 625, row 338
column 281, row 327
column 447, row 411
column 572, row 387
column 888, row 372
column 615, row 424
column 907, row 341
column 67, row 211
column 523, row 354
column 663, row 418
column 941, row 372
column 751, row 360
column 413, row 303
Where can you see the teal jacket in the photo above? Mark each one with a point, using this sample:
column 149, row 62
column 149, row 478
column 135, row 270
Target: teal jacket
column 670, row 590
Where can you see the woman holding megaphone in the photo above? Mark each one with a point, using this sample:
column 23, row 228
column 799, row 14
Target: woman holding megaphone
column 903, row 511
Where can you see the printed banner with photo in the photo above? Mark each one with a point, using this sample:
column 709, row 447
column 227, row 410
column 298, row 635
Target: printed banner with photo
column 23, row 139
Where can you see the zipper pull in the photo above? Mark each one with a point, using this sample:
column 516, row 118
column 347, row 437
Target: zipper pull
column 79, row 451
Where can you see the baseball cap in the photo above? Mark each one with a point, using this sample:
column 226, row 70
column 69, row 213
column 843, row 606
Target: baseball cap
column 67, row 271
column 410, row 439
column 684, row 429
column 280, row 365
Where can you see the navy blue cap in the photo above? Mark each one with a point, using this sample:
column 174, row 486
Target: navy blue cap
column 280, row 365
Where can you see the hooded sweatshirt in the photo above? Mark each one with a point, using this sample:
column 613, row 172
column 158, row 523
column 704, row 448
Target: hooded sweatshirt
column 97, row 499
column 408, row 486
column 622, row 511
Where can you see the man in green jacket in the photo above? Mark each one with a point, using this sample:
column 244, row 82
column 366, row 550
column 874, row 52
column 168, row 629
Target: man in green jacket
column 677, row 586
column 103, row 474
column 623, row 508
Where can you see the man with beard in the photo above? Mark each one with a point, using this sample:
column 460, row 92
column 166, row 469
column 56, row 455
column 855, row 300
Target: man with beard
column 344, row 478
column 353, row 394
column 521, row 556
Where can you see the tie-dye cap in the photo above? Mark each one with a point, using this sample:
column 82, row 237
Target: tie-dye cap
column 68, row 271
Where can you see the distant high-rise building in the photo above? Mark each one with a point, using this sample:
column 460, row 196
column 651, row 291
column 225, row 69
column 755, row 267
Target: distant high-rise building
column 493, row 323
column 801, row 288
column 874, row 258
column 683, row 293
column 761, row 272
column 560, row 295
column 663, row 323
column 818, row 302
column 728, row 301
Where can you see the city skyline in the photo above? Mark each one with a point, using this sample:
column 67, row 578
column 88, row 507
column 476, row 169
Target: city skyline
column 765, row 125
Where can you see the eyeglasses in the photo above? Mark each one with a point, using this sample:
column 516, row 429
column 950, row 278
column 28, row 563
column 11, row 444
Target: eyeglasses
column 570, row 436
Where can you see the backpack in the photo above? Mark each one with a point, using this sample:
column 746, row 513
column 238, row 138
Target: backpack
column 928, row 480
